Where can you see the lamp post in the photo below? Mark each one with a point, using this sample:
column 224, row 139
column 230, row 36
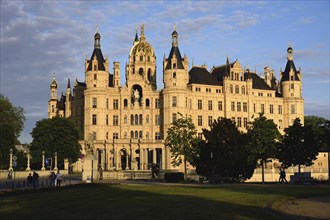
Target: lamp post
column 55, row 166
column 11, row 159
column 28, row 161
column 43, row 160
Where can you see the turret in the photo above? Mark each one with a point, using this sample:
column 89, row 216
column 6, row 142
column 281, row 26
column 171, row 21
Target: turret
column 175, row 67
column 52, row 103
column 116, row 74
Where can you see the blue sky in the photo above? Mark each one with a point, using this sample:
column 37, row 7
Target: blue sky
column 42, row 37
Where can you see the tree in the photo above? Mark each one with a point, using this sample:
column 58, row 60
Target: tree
column 224, row 152
column 11, row 124
column 182, row 140
column 321, row 131
column 55, row 135
column 263, row 140
column 298, row 146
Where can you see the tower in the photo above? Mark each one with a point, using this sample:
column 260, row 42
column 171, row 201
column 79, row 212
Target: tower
column 291, row 89
column 52, row 103
column 68, row 99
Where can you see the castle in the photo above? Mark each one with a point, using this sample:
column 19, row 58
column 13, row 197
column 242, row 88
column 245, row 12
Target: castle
column 126, row 125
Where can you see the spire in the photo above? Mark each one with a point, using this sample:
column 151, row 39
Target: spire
column 54, row 83
column 290, row 52
column 142, row 33
column 97, row 38
column 174, row 37
column 69, row 87
column 227, row 65
column 136, row 37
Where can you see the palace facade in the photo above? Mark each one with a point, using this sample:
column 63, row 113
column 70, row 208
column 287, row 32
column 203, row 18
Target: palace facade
column 126, row 125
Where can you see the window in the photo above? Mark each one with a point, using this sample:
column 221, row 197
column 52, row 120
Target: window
column 293, row 109
column 115, row 120
column 125, row 103
column 94, row 119
column 106, row 135
column 254, row 107
column 174, row 101
column 115, row 135
column 148, row 58
column 173, row 117
column 157, row 103
column 236, row 89
column 271, row 109
column 189, row 103
column 291, row 77
column 107, row 103
column 140, row 134
column 147, row 103
column 200, row 120
column 132, row 134
column 147, row 135
column 53, row 108
column 233, row 106
column 95, row 77
column 147, row 119
column 245, row 123
column 141, row 58
column 140, row 119
column 115, row 104
column 210, row 104
column 125, row 134
column 239, row 106
column 280, row 123
column 262, row 108
column 231, row 89
column 136, row 121
column 292, row 86
column 94, row 135
column 132, row 119
column 210, row 120
column 280, row 109
column 141, row 71
column 95, row 69
column 94, row 102
column 244, row 106
column 219, row 105
column 136, row 134
column 233, row 120
column 239, row 122
column 200, row 104
column 157, row 136
column 106, row 119
column 174, row 75
column 157, row 119
column 125, row 119
column 243, row 89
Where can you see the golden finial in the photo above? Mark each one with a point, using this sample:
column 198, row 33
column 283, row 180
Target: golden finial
column 97, row 29
column 174, row 27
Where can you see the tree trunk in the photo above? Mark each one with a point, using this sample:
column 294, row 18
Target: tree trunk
column 262, row 172
column 299, row 168
column 185, row 170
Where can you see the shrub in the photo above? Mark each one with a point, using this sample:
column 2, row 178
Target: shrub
column 174, row 177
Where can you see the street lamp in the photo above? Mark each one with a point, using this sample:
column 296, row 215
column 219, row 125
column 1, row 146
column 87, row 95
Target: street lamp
column 43, row 160
column 28, row 160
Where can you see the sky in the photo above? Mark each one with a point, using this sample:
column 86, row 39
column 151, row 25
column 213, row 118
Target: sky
column 39, row 38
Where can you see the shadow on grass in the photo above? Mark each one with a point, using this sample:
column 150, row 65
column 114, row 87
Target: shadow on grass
column 104, row 201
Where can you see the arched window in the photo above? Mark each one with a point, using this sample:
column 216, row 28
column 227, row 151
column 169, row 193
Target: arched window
column 125, row 119
column 236, row 89
column 149, row 75
column 140, row 119
column 136, row 134
column 141, row 71
column 231, row 89
column 147, row 103
column 125, row 103
column 136, row 119
column 132, row 134
column 243, row 89
column 132, row 119
column 148, row 58
column 140, row 134
column 141, row 58
column 53, row 108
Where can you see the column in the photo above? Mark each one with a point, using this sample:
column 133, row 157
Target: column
column 55, row 166
column 43, row 160
column 126, row 168
column 154, row 159
column 163, row 165
column 28, row 162
column 10, row 159
column 117, row 160
column 141, row 158
column 102, row 158
column 147, row 158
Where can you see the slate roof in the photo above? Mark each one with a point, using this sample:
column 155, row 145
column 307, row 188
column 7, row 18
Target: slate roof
column 176, row 51
column 221, row 71
column 100, row 59
column 285, row 74
column 257, row 82
column 200, row 75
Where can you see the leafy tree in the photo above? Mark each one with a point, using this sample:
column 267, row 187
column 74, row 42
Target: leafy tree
column 55, row 135
column 11, row 124
column 224, row 152
column 298, row 146
column 321, row 131
column 182, row 140
column 263, row 140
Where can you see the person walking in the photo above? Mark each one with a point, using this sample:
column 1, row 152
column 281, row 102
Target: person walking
column 35, row 178
column 29, row 180
column 58, row 178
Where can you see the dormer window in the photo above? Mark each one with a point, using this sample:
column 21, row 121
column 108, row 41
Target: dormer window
column 141, row 58
column 174, row 75
column 95, row 67
column 95, row 77
column 174, row 65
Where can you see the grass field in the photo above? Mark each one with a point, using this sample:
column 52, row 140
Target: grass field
column 145, row 201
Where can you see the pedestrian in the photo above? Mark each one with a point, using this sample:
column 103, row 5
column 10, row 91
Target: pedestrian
column 10, row 175
column 101, row 173
column 51, row 178
column 35, row 177
column 58, row 178
column 284, row 176
column 29, row 180
column 281, row 176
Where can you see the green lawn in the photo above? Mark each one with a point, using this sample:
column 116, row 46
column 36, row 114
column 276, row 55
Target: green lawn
column 106, row 201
